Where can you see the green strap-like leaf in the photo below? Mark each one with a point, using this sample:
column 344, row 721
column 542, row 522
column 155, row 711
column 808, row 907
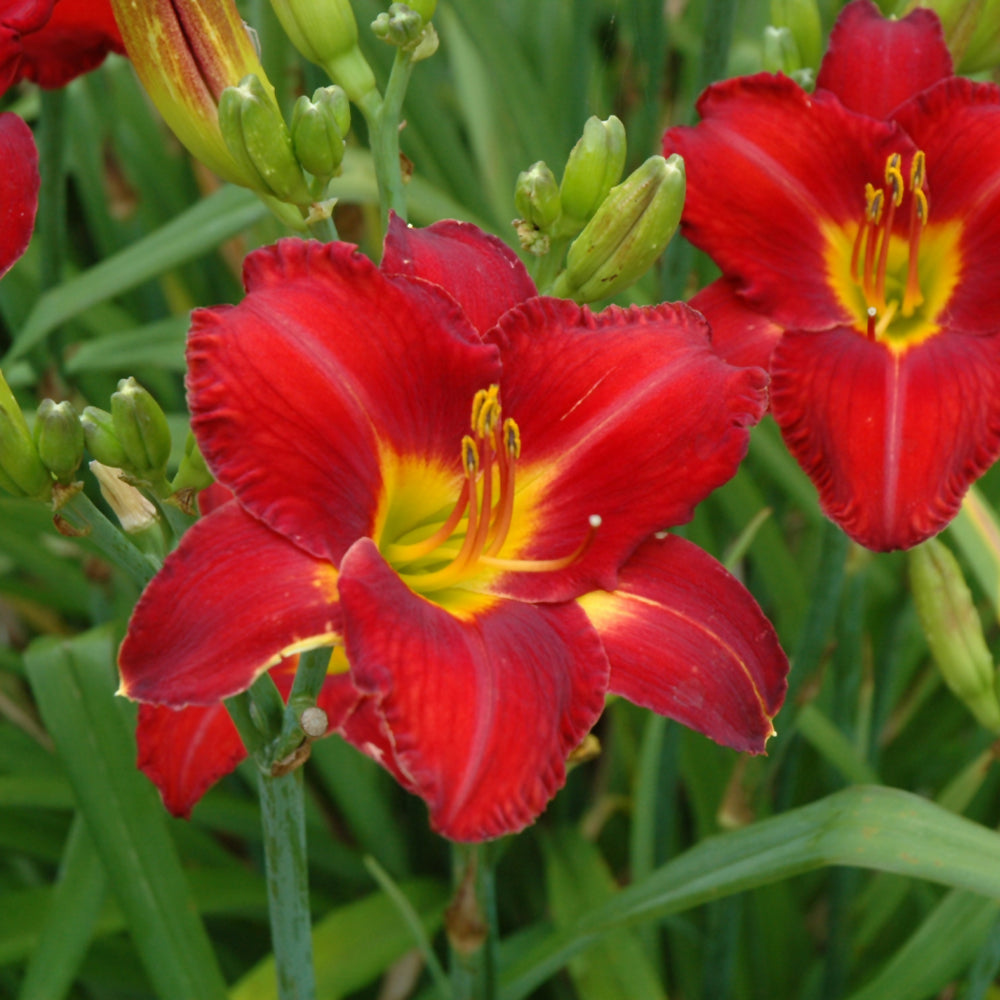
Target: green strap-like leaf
column 73, row 684
column 862, row 826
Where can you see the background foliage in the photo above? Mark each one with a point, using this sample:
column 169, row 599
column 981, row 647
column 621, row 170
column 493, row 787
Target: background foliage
column 855, row 861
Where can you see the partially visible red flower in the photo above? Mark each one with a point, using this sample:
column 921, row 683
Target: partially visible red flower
column 456, row 484
column 53, row 41
column 19, row 183
column 858, row 231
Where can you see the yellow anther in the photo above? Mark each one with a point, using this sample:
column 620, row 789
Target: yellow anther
column 920, row 202
column 918, row 171
column 478, row 402
column 470, row 456
column 894, row 176
column 512, row 438
column 874, row 201
column 486, row 410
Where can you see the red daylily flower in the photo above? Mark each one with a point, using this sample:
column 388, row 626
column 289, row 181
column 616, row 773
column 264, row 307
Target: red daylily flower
column 858, row 231
column 19, row 184
column 455, row 483
column 53, row 41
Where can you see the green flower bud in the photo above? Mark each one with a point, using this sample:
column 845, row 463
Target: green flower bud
column 326, row 33
column 192, row 473
column 801, row 18
column 406, row 28
column 258, row 139
column 58, row 438
column 318, row 129
column 781, row 54
column 141, row 427
column 953, row 630
column 594, row 166
column 22, row 473
column 629, row 231
column 425, row 8
column 101, row 438
column 536, row 196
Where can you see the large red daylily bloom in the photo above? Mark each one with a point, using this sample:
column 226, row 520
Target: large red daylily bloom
column 858, row 231
column 456, row 484
column 19, row 184
column 53, row 41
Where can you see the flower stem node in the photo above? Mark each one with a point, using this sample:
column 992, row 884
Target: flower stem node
column 801, row 19
column 58, row 439
column 953, row 630
column 319, row 126
column 258, row 139
column 405, row 27
column 21, row 470
column 626, row 235
column 536, row 196
column 141, row 428
column 594, row 166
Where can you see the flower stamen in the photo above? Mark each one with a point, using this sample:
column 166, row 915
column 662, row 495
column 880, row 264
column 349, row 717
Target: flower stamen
column 481, row 520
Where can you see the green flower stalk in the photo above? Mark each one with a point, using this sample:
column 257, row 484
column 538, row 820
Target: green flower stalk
column 22, row 473
column 58, row 439
column 626, row 235
column 953, row 630
column 186, row 54
column 594, row 166
column 257, row 137
column 326, row 33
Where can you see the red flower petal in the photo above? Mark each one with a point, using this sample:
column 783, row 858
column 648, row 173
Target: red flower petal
column 891, row 442
column 626, row 414
column 482, row 709
column 230, row 601
column 19, row 182
column 479, row 270
column 767, row 167
column 874, row 63
column 56, row 49
column 957, row 124
column 686, row 639
column 184, row 751
column 325, row 362
column 742, row 336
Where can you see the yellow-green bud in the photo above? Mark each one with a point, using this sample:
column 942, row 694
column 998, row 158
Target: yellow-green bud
column 186, row 54
column 801, row 18
column 594, row 166
column 629, row 231
column 318, row 129
column 536, row 196
column 192, row 474
column 141, row 427
column 21, row 471
column 101, row 438
column 58, row 438
column 258, row 139
column 326, row 33
column 781, row 54
column 953, row 630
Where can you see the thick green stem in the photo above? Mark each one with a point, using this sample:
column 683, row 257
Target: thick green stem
column 283, row 817
column 471, row 925
column 80, row 513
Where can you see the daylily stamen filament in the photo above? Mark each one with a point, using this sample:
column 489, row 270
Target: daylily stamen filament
column 480, row 522
column 872, row 243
